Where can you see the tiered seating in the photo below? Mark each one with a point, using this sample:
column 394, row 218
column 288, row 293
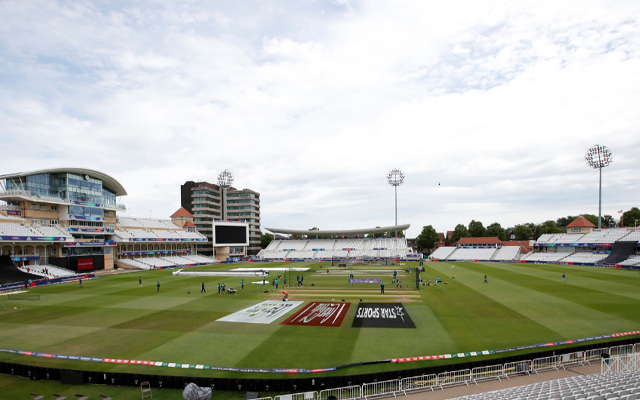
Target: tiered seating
column 391, row 248
column 57, row 272
column 326, row 244
column 546, row 238
column 155, row 262
column 177, row 260
column 507, row 253
column 10, row 229
column 275, row 255
column 603, row 236
column 139, row 233
column 198, row 259
column 322, row 255
column 190, row 235
column 621, row 386
column 585, row 258
column 568, row 238
column 294, row 244
column 441, row 253
column 152, row 223
column 301, row 254
column 52, row 231
column 632, row 260
column 169, row 224
column 123, row 234
column 472, row 254
column 167, row 234
column 633, row 236
column 129, row 222
column 41, row 270
column 133, row 263
column 547, row 257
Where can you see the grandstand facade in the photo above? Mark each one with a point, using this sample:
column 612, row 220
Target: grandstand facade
column 208, row 203
column 339, row 245
column 588, row 246
column 68, row 218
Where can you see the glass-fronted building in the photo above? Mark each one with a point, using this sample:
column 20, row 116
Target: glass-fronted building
column 60, row 215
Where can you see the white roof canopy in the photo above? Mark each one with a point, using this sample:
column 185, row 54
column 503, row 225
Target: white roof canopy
column 340, row 232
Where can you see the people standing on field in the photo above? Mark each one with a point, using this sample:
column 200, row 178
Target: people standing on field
column 563, row 278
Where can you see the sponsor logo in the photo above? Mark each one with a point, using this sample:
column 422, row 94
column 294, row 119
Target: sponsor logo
column 262, row 313
column 319, row 314
column 382, row 315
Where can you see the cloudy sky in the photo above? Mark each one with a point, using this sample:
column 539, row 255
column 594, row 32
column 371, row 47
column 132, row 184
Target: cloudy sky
column 487, row 106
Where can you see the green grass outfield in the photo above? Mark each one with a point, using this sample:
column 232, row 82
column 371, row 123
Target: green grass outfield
column 111, row 317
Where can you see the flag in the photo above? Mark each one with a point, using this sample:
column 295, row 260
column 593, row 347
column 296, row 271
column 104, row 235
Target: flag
column 620, row 212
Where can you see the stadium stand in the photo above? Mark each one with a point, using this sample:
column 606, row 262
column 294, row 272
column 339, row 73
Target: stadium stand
column 473, row 253
column 624, row 385
column 11, row 229
column 336, row 248
column 507, row 253
column 632, row 260
column 9, row 273
column 546, row 257
column 588, row 258
column 441, row 253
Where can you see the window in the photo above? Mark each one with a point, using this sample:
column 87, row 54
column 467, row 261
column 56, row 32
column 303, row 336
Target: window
column 54, row 208
column 34, row 206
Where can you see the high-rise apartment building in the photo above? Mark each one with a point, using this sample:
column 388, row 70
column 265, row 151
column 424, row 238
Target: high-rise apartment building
column 208, row 202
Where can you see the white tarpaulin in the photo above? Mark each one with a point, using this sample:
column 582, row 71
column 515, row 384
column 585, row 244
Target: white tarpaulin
column 262, row 313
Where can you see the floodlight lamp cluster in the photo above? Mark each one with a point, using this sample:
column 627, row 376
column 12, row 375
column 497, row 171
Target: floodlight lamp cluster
column 395, row 177
column 598, row 157
column 225, row 179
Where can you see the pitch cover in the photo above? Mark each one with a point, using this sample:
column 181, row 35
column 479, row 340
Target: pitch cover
column 319, row 314
column 382, row 315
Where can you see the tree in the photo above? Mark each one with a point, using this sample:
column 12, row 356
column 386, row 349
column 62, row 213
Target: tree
column 476, row 229
column 607, row 220
column 496, row 230
column 547, row 227
column 629, row 217
column 427, row 238
column 523, row 232
column 265, row 239
column 459, row 232
column 592, row 218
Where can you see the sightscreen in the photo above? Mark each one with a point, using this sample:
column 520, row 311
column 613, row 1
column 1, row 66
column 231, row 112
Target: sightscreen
column 231, row 234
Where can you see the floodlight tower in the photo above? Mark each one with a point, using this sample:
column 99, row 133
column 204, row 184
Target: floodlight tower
column 225, row 180
column 395, row 178
column 598, row 157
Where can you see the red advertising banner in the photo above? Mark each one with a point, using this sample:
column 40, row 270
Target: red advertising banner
column 85, row 263
column 319, row 314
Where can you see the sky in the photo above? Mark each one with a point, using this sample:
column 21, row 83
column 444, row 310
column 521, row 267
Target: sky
column 487, row 106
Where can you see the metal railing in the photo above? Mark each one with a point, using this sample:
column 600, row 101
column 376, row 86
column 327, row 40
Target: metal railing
column 517, row 367
column 343, row 393
column 381, row 388
column 621, row 363
column 546, row 363
column 490, row 372
column 626, row 358
column 419, row 383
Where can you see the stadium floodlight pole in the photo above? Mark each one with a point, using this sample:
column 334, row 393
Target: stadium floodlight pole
column 225, row 180
column 395, row 178
column 598, row 157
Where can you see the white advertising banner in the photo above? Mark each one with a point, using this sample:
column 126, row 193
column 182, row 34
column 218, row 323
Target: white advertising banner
column 262, row 313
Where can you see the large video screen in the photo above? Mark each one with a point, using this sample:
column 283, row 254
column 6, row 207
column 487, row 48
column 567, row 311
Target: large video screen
column 231, row 234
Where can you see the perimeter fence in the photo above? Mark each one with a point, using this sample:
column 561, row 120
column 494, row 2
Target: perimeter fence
column 625, row 358
column 616, row 357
